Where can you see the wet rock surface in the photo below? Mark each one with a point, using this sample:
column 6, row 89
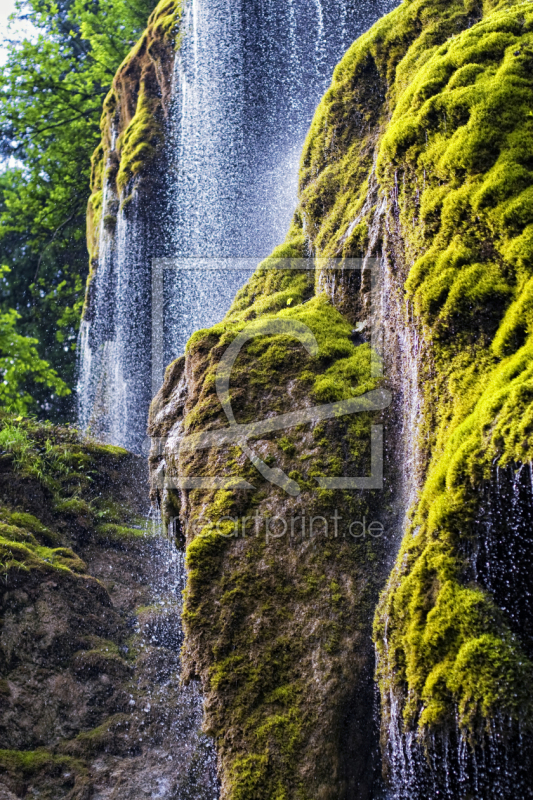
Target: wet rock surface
column 91, row 704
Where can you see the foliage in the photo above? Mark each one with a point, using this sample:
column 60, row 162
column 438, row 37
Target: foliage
column 20, row 364
column 51, row 90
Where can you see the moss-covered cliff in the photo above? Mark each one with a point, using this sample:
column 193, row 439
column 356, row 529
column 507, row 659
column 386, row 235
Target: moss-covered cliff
column 419, row 154
column 133, row 123
column 278, row 612
column 450, row 163
column 89, row 636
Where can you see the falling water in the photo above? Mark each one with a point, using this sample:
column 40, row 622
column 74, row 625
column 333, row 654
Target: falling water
column 159, row 750
column 448, row 765
column 495, row 761
column 247, row 79
column 115, row 338
column 500, row 558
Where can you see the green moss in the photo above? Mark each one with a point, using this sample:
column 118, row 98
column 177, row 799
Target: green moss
column 432, row 111
column 45, row 460
column 108, row 510
column 347, row 377
column 15, row 555
column 244, row 593
column 28, row 763
column 52, row 455
column 52, row 773
column 105, row 660
column 74, row 505
column 45, row 584
column 138, row 142
column 461, row 131
column 25, row 520
column 430, row 114
column 117, row 534
column 16, row 440
column 287, row 446
column 35, row 526
column 111, row 451
column 99, row 739
column 15, row 534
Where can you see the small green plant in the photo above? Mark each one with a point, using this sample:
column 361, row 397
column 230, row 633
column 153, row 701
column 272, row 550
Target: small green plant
column 4, row 566
column 15, row 440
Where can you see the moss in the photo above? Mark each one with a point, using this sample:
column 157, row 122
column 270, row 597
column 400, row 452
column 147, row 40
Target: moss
column 45, row 460
column 54, row 608
column 15, row 555
column 113, row 452
column 460, row 132
column 50, row 772
column 99, row 739
column 27, row 763
column 35, row 526
column 76, row 506
column 287, row 446
column 117, row 534
column 430, row 114
column 138, row 142
column 52, row 455
column 427, row 125
column 15, row 534
column 105, row 660
column 107, row 510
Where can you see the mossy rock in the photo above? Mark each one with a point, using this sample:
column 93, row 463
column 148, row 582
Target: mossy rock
column 56, row 775
column 274, row 622
column 133, row 121
column 424, row 137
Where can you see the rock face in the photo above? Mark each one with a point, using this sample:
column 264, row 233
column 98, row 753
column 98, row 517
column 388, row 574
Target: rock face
column 91, row 705
column 281, row 591
column 420, row 156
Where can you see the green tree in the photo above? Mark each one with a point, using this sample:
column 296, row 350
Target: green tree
column 20, row 365
column 51, row 93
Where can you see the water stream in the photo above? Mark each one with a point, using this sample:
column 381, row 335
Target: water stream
column 158, row 750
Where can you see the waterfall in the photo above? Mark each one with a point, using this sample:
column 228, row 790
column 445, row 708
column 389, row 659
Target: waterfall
column 114, row 376
column 168, row 756
column 500, row 559
column 247, row 78
column 448, row 765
